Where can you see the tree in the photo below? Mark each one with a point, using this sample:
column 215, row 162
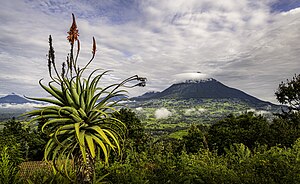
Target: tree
column 247, row 128
column 135, row 131
column 194, row 140
column 79, row 120
column 288, row 93
column 285, row 130
column 29, row 141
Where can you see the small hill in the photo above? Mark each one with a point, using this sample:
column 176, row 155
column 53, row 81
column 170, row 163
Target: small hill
column 14, row 99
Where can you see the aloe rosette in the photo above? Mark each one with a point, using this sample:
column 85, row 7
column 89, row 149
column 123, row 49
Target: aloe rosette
column 79, row 118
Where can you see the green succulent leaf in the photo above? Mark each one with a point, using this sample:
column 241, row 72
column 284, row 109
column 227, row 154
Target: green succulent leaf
column 91, row 145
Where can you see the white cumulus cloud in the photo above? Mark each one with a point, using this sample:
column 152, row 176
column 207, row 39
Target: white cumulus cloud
column 194, row 111
column 162, row 113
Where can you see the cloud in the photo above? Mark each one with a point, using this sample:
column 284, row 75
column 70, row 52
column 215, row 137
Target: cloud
column 25, row 106
column 191, row 76
column 259, row 112
column 162, row 113
column 245, row 44
column 139, row 109
column 194, row 111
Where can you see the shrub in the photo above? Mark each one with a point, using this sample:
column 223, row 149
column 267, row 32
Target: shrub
column 246, row 128
column 276, row 165
column 8, row 169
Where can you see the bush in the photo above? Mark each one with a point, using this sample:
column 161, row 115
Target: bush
column 276, row 165
column 8, row 169
column 27, row 143
column 205, row 167
column 246, row 128
column 45, row 177
column 130, row 170
column 11, row 146
column 136, row 138
column 194, row 140
column 238, row 165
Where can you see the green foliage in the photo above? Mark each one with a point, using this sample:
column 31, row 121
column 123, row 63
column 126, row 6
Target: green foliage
column 45, row 177
column 162, row 167
column 154, row 166
column 135, row 132
column 178, row 134
column 239, row 165
column 8, row 169
column 192, row 111
column 205, row 167
column 236, row 155
column 194, row 140
column 246, row 128
column 285, row 130
column 161, row 162
column 26, row 141
column 276, row 165
column 13, row 148
column 125, row 172
column 288, row 93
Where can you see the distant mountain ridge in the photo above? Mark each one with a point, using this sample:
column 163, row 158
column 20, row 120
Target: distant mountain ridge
column 14, row 99
column 201, row 89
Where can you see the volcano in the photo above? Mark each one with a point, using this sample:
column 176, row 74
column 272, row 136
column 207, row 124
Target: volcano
column 201, row 89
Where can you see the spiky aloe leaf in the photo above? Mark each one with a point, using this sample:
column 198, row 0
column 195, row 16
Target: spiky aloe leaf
column 91, row 145
column 50, row 91
column 81, row 142
column 102, row 146
column 101, row 133
column 47, row 100
column 55, row 121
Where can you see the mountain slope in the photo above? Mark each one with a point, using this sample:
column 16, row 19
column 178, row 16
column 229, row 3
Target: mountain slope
column 201, row 89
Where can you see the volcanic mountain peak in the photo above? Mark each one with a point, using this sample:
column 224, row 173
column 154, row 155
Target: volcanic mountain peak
column 208, row 88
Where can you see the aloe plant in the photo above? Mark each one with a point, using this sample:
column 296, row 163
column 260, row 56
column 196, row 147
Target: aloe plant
column 79, row 119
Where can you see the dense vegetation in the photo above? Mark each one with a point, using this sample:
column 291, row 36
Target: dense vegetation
column 237, row 149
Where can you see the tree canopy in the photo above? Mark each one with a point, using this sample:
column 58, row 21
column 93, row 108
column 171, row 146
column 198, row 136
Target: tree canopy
column 288, row 93
column 247, row 128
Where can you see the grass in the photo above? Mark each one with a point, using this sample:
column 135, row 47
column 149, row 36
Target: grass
column 178, row 134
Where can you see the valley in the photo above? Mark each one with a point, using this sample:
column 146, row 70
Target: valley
column 167, row 116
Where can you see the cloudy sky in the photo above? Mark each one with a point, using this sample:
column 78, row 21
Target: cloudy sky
column 251, row 45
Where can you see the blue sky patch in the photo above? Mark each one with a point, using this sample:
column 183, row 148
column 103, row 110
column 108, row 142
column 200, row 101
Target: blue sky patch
column 285, row 5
